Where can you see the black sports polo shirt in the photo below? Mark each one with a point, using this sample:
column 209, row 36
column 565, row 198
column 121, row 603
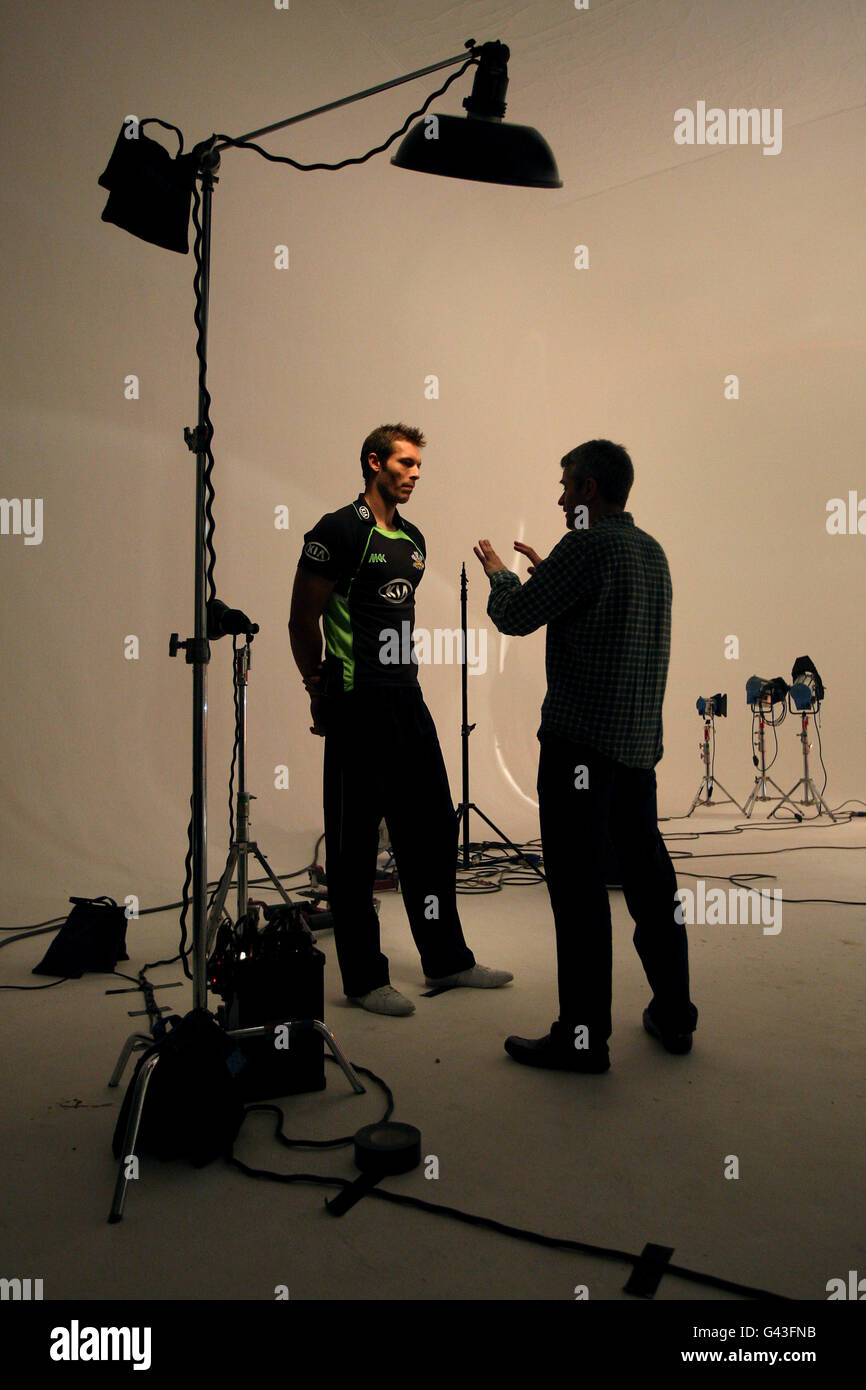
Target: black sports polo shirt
column 370, row 615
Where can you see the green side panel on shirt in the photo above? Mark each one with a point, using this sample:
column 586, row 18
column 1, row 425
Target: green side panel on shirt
column 338, row 627
column 338, row 637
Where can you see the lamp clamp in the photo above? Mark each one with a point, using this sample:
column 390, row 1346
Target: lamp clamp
column 196, row 439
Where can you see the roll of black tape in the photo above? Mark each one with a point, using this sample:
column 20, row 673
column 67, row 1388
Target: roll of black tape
column 380, row 1151
column 387, row 1148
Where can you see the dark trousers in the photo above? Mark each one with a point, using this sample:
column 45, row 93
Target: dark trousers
column 383, row 760
column 620, row 802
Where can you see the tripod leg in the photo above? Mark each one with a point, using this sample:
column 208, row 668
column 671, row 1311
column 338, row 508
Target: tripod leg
column 130, row 1137
column 463, row 822
column 271, row 875
column 298, row 1025
column 216, row 911
column 339, row 1056
column 717, row 783
column 783, row 797
column 505, row 839
column 818, row 800
column 825, row 807
column 134, row 1043
column 821, row 802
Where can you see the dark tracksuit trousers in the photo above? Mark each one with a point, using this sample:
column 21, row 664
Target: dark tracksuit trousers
column 383, row 760
column 621, row 801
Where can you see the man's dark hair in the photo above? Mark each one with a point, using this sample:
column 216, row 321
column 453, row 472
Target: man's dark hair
column 608, row 463
column 381, row 443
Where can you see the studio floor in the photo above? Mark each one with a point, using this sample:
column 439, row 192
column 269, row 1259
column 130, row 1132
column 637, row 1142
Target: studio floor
column 641, row 1154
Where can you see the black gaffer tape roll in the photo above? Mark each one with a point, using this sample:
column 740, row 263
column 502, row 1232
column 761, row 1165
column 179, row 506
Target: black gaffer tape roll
column 387, row 1148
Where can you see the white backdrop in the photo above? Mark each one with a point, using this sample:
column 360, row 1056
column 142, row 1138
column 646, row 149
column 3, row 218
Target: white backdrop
column 704, row 261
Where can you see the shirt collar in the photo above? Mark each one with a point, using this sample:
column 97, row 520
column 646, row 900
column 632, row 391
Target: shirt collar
column 365, row 512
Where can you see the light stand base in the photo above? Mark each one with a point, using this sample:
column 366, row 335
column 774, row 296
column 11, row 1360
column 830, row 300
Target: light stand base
column 812, row 797
column 463, row 817
column 239, row 849
column 758, row 794
column 709, row 800
column 138, row 1041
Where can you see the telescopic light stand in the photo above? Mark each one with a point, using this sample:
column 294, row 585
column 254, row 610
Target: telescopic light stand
column 197, row 650
column 242, row 845
column 707, row 782
column 465, row 730
column 758, row 792
column 811, row 794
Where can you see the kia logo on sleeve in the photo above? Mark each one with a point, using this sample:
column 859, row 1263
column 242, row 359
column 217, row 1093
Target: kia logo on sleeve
column 316, row 551
column 397, row 591
column 362, row 511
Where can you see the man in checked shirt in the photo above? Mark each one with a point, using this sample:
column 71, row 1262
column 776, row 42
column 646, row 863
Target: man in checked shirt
column 604, row 592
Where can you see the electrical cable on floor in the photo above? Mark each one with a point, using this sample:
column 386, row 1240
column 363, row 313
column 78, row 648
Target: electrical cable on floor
column 471, row 1218
column 495, row 859
column 475, row 880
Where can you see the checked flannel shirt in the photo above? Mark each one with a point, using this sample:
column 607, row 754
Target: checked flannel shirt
column 605, row 594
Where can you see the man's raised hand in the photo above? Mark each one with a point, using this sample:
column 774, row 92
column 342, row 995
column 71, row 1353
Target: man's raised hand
column 488, row 557
column 530, row 554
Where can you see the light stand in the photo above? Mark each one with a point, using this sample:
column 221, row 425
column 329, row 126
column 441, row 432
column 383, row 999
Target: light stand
column 465, row 730
column 717, row 703
column 197, row 648
column 804, row 698
column 242, row 846
column 812, row 795
column 762, row 700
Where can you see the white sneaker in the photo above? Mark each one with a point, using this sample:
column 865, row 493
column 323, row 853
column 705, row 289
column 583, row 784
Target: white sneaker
column 476, row 977
column 385, row 1000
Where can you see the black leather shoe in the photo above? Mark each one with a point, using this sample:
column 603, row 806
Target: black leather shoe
column 672, row 1042
column 557, row 1053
